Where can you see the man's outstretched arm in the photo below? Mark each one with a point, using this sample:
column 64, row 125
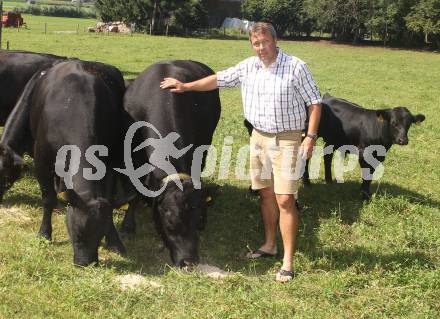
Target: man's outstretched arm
column 208, row 83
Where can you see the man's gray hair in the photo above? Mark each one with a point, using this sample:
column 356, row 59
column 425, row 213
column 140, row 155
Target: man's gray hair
column 263, row 27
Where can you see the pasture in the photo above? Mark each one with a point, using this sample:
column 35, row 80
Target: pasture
column 354, row 260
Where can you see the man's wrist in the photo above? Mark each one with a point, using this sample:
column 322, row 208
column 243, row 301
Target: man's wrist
column 312, row 136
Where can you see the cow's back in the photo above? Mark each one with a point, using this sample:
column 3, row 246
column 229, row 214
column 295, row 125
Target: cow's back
column 345, row 123
column 193, row 115
column 77, row 102
column 145, row 100
column 16, row 68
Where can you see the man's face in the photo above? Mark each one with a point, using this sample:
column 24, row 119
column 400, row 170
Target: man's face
column 265, row 47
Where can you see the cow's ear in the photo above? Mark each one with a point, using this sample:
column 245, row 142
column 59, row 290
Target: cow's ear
column 419, row 118
column 383, row 115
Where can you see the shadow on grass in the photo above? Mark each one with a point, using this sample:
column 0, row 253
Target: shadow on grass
column 323, row 201
column 234, row 227
column 20, row 198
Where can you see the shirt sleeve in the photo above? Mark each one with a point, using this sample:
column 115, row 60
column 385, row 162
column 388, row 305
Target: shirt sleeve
column 229, row 78
column 307, row 87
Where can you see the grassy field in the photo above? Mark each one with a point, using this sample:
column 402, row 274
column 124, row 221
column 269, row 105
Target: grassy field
column 42, row 26
column 355, row 260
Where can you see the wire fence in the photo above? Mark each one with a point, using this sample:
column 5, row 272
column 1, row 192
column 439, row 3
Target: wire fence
column 82, row 26
column 53, row 27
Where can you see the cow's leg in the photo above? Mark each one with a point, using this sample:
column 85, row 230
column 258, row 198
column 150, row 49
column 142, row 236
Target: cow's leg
column 49, row 197
column 113, row 242
column 366, row 182
column 129, row 223
column 306, row 178
column 367, row 173
column 328, row 158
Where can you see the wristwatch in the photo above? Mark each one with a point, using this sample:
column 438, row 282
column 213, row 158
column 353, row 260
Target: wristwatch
column 312, row 136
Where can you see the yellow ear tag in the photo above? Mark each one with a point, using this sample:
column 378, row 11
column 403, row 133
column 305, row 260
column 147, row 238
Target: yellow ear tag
column 208, row 199
column 380, row 119
column 62, row 196
column 124, row 206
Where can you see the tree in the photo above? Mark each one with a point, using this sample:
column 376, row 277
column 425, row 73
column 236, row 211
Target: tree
column 146, row 13
column 253, row 10
column 283, row 14
column 191, row 15
column 344, row 19
column 425, row 17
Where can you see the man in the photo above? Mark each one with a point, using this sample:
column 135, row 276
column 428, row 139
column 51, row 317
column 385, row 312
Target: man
column 275, row 88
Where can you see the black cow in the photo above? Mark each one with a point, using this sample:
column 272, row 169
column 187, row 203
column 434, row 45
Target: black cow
column 179, row 214
column 73, row 103
column 345, row 123
column 16, row 68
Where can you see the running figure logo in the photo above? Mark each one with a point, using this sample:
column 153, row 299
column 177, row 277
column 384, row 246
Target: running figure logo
column 164, row 149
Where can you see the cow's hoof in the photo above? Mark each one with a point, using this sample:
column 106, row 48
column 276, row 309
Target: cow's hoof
column 366, row 196
column 119, row 249
column 306, row 182
column 44, row 235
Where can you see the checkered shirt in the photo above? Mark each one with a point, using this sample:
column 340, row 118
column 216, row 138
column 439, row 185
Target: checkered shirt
column 274, row 98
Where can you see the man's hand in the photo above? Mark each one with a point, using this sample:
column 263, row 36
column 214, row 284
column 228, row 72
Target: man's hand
column 174, row 85
column 306, row 148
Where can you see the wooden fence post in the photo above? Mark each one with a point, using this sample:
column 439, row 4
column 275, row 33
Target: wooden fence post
column 77, row 28
column 45, row 27
column 7, row 45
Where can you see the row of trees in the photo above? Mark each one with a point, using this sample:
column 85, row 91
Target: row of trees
column 400, row 22
column 155, row 14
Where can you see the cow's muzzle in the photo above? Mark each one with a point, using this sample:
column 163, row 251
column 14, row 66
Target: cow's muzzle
column 402, row 141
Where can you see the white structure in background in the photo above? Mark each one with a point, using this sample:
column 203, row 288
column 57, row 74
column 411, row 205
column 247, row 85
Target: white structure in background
column 235, row 23
column 117, row 26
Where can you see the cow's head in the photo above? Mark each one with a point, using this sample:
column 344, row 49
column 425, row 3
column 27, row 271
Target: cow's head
column 399, row 120
column 179, row 217
column 11, row 166
column 87, row 223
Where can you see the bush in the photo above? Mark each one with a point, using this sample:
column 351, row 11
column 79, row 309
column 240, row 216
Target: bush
column 56, row 11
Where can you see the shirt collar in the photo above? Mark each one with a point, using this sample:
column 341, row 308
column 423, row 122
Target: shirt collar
column 259, row 63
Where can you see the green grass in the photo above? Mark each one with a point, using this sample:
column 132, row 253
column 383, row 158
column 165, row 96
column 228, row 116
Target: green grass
column 354, row 260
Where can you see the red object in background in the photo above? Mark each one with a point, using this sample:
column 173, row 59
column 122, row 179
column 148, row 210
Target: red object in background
column 11, row 19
